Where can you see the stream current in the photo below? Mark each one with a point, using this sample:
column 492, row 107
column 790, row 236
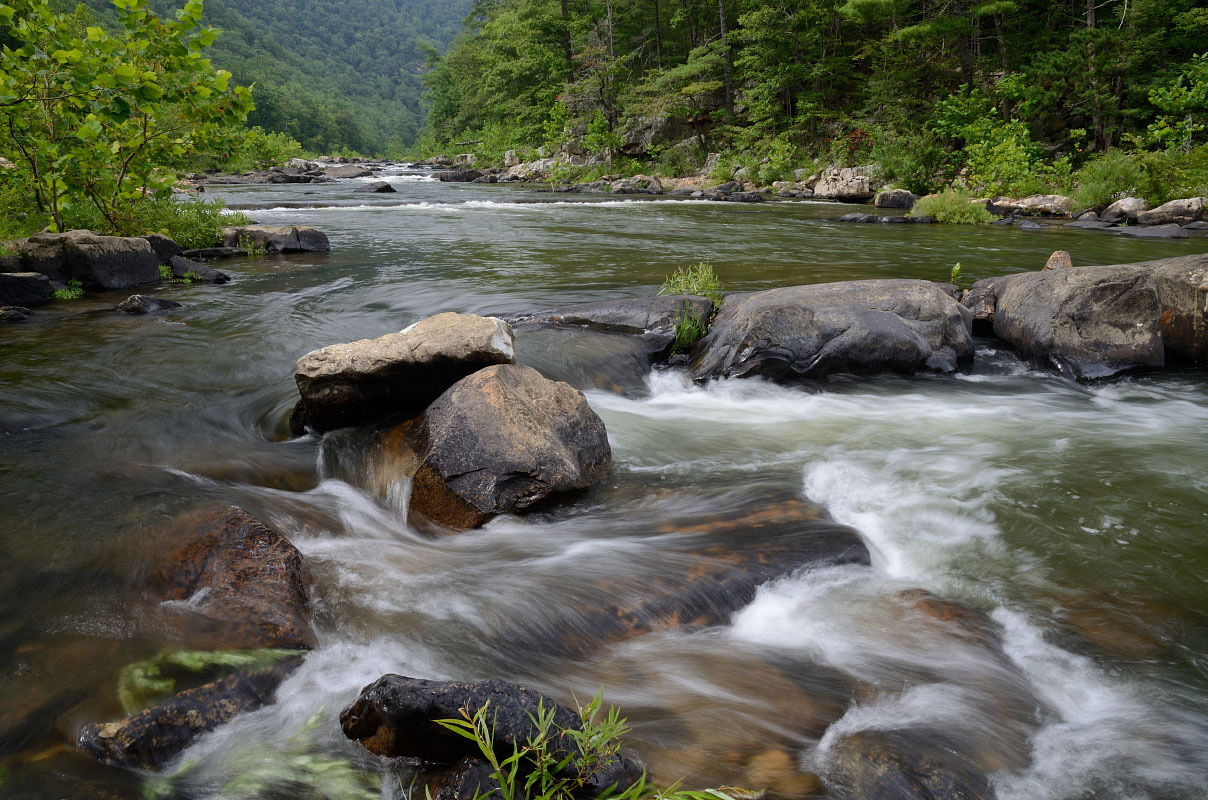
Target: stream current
column 1073, row 516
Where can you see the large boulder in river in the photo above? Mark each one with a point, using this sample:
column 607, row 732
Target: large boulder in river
column 503, row 440
column 97, row 262
column 398, row 374
column 652, row 319
column 1178, row 212
column 276, row 238
column 24, row 289
column 239, row 582
column 146, row 304
column 396, row 716
column 1096, row 322
column 857, row 326
column 895, row 198
column 152, row 738
column 376, row 187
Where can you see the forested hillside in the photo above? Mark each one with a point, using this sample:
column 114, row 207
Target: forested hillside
column 330, row 74
column 1009, row 90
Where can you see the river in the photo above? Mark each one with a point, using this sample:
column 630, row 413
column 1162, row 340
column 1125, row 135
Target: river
column 1072, row 515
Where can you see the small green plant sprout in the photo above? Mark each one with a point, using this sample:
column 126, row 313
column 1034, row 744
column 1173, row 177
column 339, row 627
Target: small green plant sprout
column 698, row 279
column 73, row 291
column 955, row 275
column 165, row 273
column 557, row 763
column 248, row 245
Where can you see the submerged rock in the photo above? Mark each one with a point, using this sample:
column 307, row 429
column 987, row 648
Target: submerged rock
column 277, row 239
column 502, row 441
column 152, row 738
column 14, row 314
column 858, row 326
column 1169, row 230
column 396, row 716
column 1095, row 322
column 652, row 319
column 215, row 252
column 876, row 765
column 146, row 304
column 24, row 289
column 241, row 580
column 398, row 374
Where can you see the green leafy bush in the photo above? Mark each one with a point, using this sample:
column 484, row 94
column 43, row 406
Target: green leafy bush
column 1173, row 174
column 191, row 223
column 1107, row 178
column 912, row 161
column 952, row 207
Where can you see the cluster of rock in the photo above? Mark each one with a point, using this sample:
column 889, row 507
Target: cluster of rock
column 296, row 170
column 32, row 269
column 476, row 434
column 1132, row 216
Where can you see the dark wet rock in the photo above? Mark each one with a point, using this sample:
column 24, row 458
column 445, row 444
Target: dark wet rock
column 396, row 716
column 1091, row 225
column 14, row 314
column 895, row 198
column 400, row 373
column 97, row 262
column 1060, row 259
column 1028, row 225
column 1170, row 230
column 801, row 332
column 1095, row 322
column 458, row 175
column 1176, row 212
column 653, row 319
column 239, row 582
column 468, row 779
column 347, row 171
column 886, row 220
column 164, row 247
column 377, row 187
column 744, row 197
column 876, row 765
column 187, row 269
column 151, row 738
column 215, row 252
column 146, row 304
column 504, row 440
column 24, row 289
column 277, row 239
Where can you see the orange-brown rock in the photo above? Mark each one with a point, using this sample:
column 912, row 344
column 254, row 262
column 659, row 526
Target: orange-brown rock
column 241, row 581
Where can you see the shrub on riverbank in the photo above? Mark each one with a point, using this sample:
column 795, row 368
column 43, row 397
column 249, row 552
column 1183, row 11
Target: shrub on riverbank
column 953, row 206
column 191, row 223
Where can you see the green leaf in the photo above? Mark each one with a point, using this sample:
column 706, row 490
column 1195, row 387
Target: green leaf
column 125, row 73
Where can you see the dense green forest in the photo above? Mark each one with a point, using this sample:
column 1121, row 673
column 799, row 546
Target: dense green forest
column 1003, row 94
column 333, row 75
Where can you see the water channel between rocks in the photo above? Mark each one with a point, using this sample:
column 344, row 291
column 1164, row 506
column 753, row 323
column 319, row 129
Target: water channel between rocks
column 1073, row 515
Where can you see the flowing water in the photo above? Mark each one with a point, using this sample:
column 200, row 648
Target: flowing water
column 1073, row 516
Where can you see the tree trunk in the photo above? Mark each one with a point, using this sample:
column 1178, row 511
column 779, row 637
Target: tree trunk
column 727, row 66
column 570, row 62
column 658, row 35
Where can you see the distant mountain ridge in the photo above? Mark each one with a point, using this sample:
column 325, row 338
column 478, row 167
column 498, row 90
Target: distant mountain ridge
column 330, row 74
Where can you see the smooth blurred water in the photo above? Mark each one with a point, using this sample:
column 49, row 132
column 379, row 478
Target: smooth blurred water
column 1073, row 515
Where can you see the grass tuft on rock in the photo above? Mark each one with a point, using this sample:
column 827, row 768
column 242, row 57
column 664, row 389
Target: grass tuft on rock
column 953, row 207
column 698, row 279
